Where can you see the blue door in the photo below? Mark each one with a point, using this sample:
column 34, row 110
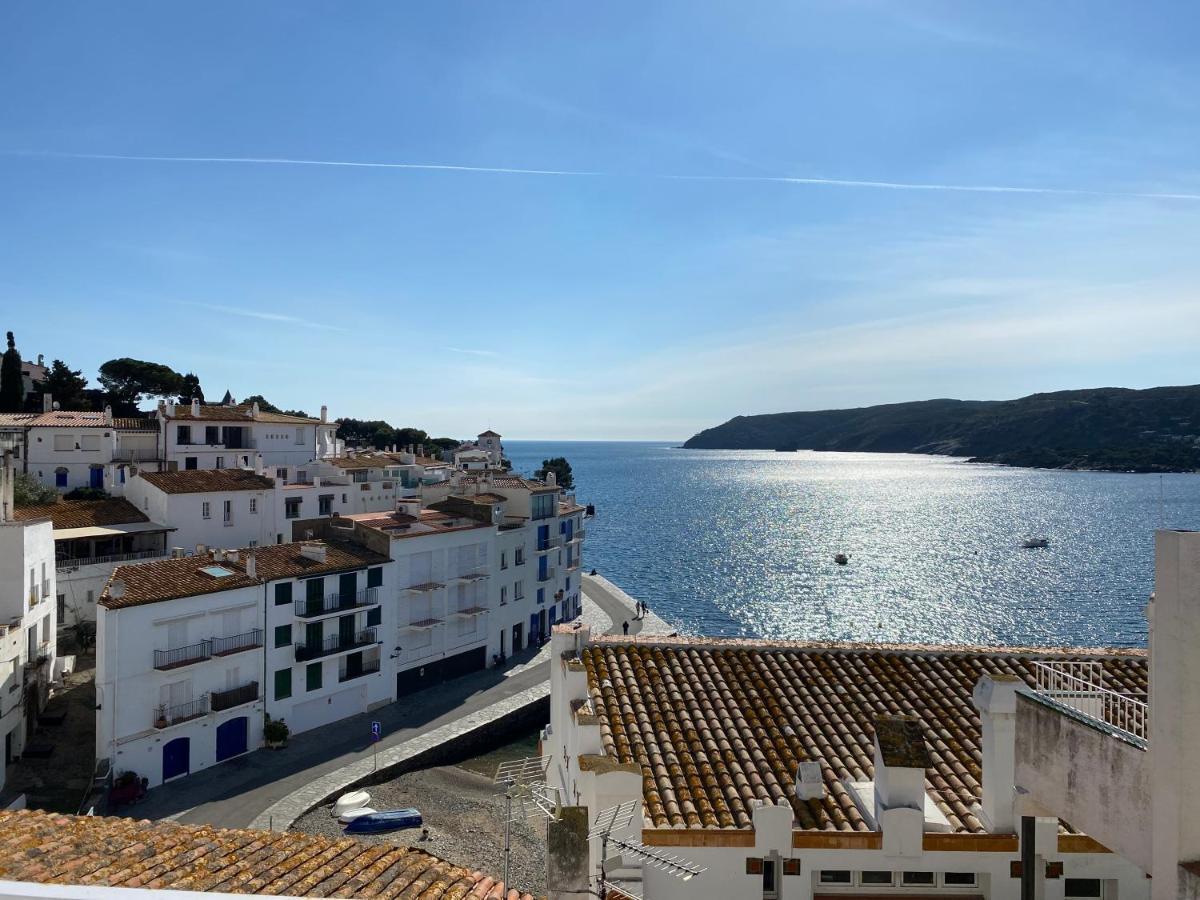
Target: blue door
column 176, row 756
column 534, row 634
column 231, row 738
column 97, row 478
column 60, row 477
column 541, row 568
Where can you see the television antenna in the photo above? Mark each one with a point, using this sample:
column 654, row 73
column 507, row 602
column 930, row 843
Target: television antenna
column 526, row 796
column 618, row 818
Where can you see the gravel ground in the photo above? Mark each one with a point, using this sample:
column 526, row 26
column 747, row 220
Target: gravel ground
column 464, row 813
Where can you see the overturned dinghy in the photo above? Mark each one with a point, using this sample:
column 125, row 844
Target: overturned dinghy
column 387, row 820
column 350, row 801
column 350, row 815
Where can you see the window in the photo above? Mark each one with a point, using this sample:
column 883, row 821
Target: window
column 541, row 596
column 875, row 878
column 343, row 499
column 189, row 462
column 1084, row 887
column 64, row 442
column 325, row 505
column 283, row 593
column 212, row 434
column 770, row 883
column 206, row 510
column 503, row 595
column 283, row 684
column 253, row 506
column 519, row 590
column 917, row 879
column 220, row 462
column 314, row 590
column 283, row 635
column 227, row 512
column 89, row 442
column 281, row 474
column 183, row 434
column 835, row 876
column 312, row 676
column 291, row 507
column 503, row 560
column 300, row 436
column 959, row 879
column 375, row 577
column 374, row 616
column 519, row 556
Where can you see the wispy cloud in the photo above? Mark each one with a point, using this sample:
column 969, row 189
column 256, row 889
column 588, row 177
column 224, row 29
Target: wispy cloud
column 574, row 173
column 471, row 352
column 262, row 315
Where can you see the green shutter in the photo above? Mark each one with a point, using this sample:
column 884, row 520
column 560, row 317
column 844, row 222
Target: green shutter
column 283, row 593
column 283, row 684
column 374, row 616
column 283, row 635
column 375, row 577
column 312, row 676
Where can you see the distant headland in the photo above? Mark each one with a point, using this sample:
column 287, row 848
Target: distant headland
column 1102, row 429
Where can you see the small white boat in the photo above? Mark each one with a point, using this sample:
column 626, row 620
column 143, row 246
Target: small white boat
column 1035, row 543
column 349, row 816
column 841, row 558
column 349, row 801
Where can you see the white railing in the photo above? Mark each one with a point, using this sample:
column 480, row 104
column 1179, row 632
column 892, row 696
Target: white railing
column 1080, row 686
column 68, row 564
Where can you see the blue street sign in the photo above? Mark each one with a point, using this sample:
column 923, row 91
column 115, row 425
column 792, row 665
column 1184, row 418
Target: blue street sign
column 376, row 731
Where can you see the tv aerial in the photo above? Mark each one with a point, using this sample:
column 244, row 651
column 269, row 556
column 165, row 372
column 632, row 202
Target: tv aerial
column 526, row 796
column 616, row 819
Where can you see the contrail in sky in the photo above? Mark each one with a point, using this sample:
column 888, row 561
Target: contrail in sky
column 569, row 173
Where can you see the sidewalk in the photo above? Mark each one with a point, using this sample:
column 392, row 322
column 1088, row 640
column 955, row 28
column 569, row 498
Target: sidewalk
column 241, row 791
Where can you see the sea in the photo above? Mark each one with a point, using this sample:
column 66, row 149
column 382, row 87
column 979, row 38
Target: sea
column 742, row 543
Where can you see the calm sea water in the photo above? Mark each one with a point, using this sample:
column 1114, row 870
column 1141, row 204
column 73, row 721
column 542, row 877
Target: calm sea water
column 742, row 543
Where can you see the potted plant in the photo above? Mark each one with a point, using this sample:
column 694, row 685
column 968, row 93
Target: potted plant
column 275, row 733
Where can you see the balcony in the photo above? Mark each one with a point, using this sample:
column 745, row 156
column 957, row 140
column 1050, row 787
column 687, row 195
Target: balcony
column 370, row 667
column 579, row 535
column 423, row 624
column 574, row 564
column 68, row 565
column 425, row 587
column 183, row 656
column 336, row 644
column 136, row 454
column 478, row 575
column 1079, row 686
column 547, row 575
column 166, row 716
column 336, row 603
column 550, row 543
column 231, row 697
column 468, row 611
column 248, row 640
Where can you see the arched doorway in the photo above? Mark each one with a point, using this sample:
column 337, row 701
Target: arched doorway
column 176, row 758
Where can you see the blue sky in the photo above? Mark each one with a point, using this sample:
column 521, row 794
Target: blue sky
column 625, row 301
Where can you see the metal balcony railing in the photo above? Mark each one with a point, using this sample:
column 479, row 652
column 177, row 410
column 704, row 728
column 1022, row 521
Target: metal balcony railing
column 236, row 696
column 549, row 543
column 66, row 565
column 165, row 716
column 248, row 640
column 183, row 656
column 336, row 602
column 1079, row 686
column 368, row 668
column 336, row 644
column 548, row 575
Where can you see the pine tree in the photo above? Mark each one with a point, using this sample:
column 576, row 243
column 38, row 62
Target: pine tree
column 12, row 390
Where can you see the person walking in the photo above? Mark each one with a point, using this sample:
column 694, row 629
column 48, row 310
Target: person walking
column 625, row 627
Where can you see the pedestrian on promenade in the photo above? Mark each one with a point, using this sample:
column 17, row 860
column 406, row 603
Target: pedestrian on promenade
column 625, row 627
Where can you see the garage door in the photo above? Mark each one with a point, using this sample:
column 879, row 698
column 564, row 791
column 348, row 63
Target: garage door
column 323, row 710
column 232, row 738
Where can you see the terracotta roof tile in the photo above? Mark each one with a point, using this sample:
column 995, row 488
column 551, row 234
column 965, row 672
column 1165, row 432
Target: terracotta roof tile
column 71, row 419
column 716, row 724
column 170, row 579
column 83, row 513
column 216, row 412
column 203, row 481
column 48, row 848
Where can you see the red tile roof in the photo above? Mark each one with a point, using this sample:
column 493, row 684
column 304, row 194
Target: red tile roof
column 69, row 419
column 83, row 513
column 716, row 724
column 204, row 481
column 217, row 412
column 47, row 848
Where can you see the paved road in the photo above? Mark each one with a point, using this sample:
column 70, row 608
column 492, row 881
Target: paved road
column 234, row 793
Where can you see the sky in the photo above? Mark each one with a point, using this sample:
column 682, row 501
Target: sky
column 619, row 220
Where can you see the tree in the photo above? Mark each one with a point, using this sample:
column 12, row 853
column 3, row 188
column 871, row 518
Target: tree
column 189, row 388
column 86, row 493
column 12, row 389
column 561, row 469
column 128, row 380
column 66, row 386
column 28, row 491
column 264, row 404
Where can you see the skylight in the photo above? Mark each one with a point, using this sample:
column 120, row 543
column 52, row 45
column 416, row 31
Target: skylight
column 217, row 571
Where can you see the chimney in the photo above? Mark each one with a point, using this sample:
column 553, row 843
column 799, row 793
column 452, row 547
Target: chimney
column 170, row 405
column 42, row 360
column 901, row 758
column 176, row 553
column 254, row 410
column 314, row 551
column 324, row 413
column 201, row 549
column 116, row 589
column 195, row 409
column 108, row 415
column 47, row 402
column 810, row 785
column 551, row 479
column 258, row 463
column 995, row 696
column 420, row 449
column 251, row 566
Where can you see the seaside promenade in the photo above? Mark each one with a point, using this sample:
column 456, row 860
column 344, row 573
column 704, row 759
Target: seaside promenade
column 272, row 788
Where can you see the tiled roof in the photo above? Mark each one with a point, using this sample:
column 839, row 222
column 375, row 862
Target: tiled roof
column 137, row 423
column 507, row 481
column 20, row 419
column 216, row 412
column 717, row 724
column 83, row 513
column 203, row 481
column 170, row 579
column 361, row 462
column 48, row 848
column 488, row 433
column 69, row 419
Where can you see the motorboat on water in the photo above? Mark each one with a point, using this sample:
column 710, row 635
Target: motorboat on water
column 1035, row 543
column 385, row 820
column 841, row 558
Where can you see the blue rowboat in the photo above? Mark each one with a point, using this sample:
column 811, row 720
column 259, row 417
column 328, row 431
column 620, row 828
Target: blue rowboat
column 386, row 820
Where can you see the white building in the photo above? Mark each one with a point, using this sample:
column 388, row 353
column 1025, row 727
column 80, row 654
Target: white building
column 801, row 771
column 184, row 676
column 1115, row 758
column 68, row 450
column 27, row 620
column 92, row 537
column 213, row 436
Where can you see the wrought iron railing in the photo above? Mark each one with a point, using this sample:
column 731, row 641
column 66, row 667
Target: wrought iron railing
column 68, row 564
column 167, row 715
column 182, row 656
column 336, row 602
column 231, row 697
column 547, row 575
column 248, row 640
column 335, row 644
column 368, row 668
column 1079, row 686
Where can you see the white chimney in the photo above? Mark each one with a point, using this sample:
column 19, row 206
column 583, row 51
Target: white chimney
column 420, row 449
column 170, row 406
column 201, row 549
column 254, row 410
column 995, row 696
column 324, row 413
column 901, row 758
column 258, row 463
column 809, row 783
column 116, row 589
column 176, row 553
column 314, row 551
column 251, row 566
column 47, row 402
column 108, row 415
column 195, row 409
column 551, row 479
